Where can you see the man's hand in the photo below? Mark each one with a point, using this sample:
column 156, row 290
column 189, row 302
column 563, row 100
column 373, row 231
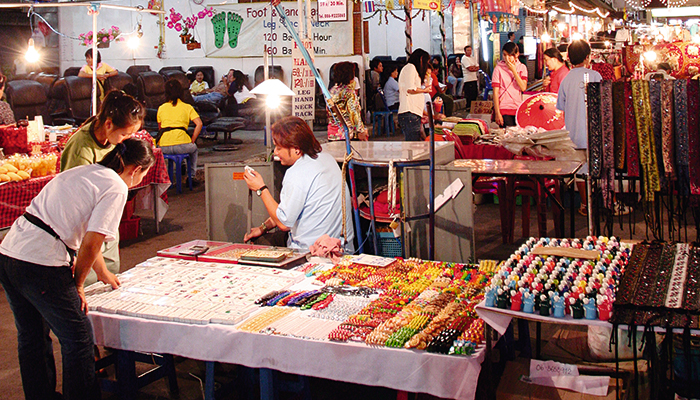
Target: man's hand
column 83, row 301
column 109, row 278
column 254, row 180
column 499, row 119
column 473, row 68
column 255, row 232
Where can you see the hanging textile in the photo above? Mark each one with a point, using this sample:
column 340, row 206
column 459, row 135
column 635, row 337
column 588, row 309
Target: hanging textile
column 619, row 117
column 632, row 151
column 595, row 134
column 647, row 153
column 680, row 94
column 693, row 151
column 539, row 60
column 655, row 102
column 667, row 131
column 608, row 139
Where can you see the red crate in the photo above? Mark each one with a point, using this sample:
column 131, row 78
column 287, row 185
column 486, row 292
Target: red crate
column 129, row 228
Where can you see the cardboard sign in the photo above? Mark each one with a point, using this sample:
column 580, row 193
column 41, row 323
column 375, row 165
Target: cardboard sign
column 303, row 83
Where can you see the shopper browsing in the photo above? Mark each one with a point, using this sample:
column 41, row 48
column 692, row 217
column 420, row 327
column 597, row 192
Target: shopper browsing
column 557, row 70
column 120, row 116
column 311, row 200
column 572, row 101
column 509, row 82
column 76, row 212
column 104, row 71
column 411, row 94
column 174, row 116
column 345, row 98
column 470, row 67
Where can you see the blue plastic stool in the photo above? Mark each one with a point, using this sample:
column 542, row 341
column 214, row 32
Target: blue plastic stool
column 383, row 121
column 175, row 168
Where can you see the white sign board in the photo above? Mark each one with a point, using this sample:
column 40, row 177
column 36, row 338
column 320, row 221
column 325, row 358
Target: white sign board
column 332, row 10
column 303, row 83
column 243, row 30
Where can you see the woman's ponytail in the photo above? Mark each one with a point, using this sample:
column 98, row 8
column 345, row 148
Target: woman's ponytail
column 132, row 151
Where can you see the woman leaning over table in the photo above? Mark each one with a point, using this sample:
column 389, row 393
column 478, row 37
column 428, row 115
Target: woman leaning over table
column 120, row 116
column 43, row 277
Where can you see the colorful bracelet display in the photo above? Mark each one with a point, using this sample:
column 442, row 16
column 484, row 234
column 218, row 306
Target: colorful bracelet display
column 660, row 287
column 557, row 286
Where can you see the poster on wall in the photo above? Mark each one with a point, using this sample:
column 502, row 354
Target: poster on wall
column 461, row 29
column 243, row 30
column 433, row 5
column 332, row 10
column 303, row 83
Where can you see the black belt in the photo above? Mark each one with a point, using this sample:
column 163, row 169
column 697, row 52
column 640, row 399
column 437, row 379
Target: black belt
column 46, row 228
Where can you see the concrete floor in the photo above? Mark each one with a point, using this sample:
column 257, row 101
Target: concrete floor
column 185, row 221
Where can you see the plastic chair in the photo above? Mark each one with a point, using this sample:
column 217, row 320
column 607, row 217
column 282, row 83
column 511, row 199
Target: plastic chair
column 175, row 168
column 383, row 121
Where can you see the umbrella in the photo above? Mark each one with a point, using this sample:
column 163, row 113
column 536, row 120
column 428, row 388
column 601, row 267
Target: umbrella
column 540, row 111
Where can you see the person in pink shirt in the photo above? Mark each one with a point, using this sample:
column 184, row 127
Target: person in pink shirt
column 557, row 70
column 509, row 81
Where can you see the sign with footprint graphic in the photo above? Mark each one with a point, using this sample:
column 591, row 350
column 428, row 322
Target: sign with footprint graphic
column 243, row 30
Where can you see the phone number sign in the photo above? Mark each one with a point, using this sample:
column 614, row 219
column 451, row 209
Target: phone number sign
column 332, row 10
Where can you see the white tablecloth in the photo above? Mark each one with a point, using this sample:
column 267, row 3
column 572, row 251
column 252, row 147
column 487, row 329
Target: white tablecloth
column 412, row 371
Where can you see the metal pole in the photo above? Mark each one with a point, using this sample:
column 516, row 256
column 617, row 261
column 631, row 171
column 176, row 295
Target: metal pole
column 268, row 133
column 431, row 189
column 94, row 10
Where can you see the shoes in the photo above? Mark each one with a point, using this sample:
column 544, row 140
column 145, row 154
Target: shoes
column 621, row 209
column 583, row 210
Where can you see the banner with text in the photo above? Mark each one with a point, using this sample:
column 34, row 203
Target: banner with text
column 332, row 10
column 434, row 5
column 303, row 83
column 243, row 30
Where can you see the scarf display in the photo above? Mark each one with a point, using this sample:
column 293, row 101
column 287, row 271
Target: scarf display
column 631, row 127
column 667, row 131
column 619, row 120
column 595, row 131
column 693, row 130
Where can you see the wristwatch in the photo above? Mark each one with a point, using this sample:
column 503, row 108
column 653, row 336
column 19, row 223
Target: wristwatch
column 259, row 191
column 263, row 227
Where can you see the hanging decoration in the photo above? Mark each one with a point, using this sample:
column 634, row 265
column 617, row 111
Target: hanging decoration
column 185, row 26
column 443, row 48
column 104, row 37
column 674, row 3
column 409, row 27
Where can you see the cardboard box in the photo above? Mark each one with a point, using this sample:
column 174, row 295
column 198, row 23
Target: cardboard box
column 512, row 388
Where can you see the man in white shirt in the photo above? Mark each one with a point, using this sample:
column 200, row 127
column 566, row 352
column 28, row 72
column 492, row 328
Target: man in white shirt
column 470, row 67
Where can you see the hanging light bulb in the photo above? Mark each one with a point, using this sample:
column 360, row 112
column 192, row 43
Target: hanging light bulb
column 576, row 36
column 650, row 56
column 135, row 39
column 546, row 38
column 273, row 101
column 32, row 55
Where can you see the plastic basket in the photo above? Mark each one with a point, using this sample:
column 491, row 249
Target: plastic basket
column 129, row 228
column 389, row 246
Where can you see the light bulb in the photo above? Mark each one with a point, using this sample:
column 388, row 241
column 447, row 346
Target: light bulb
column 696, row 38
column 273, row 101
column 607, row 43
column 32, row 55
column 650, row 55
column 576, row 36
column 562, row 26
column 546, row 38
column 133, row 42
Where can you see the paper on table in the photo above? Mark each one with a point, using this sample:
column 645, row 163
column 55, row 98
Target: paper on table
column 374, row 261
column 592, row 385
column 540, row 369
column 450, row 192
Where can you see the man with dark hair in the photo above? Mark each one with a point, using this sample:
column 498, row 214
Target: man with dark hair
column 572, row 101
column 470, row 67
column 511, row 37
column 375, row 73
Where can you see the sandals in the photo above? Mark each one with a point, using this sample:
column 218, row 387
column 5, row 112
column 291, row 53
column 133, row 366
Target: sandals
column 583, row 210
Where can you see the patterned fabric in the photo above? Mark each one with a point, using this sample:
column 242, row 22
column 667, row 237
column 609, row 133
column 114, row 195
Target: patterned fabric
column 345, row 98
column 667, row 131
column 16, row 196
column 632, row 151
column 693, row 140
column 680, row 95
column 608, row 171
column 605, row 70
column 619, row 117
column 647, row 154
column 655, row 102
column 595, row 134
column 6, row 115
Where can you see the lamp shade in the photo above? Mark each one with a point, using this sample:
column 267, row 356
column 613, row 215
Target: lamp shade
column 272, row 86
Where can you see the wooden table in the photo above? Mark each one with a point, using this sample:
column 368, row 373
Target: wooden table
column 532, row 169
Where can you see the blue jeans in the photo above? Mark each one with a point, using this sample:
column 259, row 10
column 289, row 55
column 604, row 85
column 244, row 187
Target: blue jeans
column 187, row 148
column 42, row 299
column 214, row 97
column 410, row 126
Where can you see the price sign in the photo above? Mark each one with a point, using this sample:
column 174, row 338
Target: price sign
column 332, row 10
column 303, row 83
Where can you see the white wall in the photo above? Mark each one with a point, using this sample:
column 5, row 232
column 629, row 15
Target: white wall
column 74, row 21
column 389, row 39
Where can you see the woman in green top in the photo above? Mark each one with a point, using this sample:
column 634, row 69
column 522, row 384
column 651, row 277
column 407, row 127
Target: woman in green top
column 120, row 116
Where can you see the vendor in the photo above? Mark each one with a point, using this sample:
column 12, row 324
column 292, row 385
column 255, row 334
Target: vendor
column 411, row 94
column 7, row 117
column 78, row 209
column 509, row 82
column 104, row 71
column 120, row 116
column 557, row 70
column 311, row 200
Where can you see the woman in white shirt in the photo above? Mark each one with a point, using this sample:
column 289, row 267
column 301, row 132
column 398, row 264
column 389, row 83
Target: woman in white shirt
column 411, row 97
column 43, row 277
